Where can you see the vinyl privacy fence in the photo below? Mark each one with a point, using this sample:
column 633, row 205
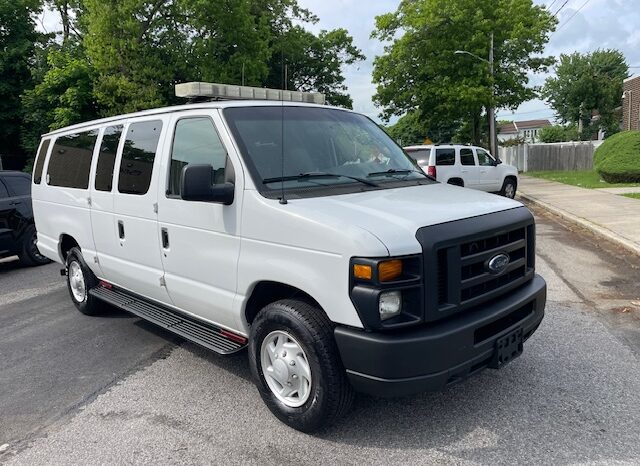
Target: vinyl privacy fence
column 554, row 156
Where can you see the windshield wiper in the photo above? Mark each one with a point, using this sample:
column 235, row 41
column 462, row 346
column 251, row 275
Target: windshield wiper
column 393, row 171
column 303, row 176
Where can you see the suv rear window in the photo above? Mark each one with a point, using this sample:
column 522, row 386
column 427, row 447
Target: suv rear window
column 466, row 157
column 42, row 154
column 445, row 156
column 70, row 161
column 420, row 155
column 138, row 154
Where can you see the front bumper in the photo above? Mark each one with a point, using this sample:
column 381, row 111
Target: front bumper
column 441, row 353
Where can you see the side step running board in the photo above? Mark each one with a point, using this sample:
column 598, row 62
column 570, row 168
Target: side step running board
column 204, row 334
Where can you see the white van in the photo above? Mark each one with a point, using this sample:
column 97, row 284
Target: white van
column 468, row 166
column 300, row 231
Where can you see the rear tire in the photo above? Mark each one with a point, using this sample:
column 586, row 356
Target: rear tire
column 29, row 254
column 80, row 279
column 509, row 188
column 311, row 372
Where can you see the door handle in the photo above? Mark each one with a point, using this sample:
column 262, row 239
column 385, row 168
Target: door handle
column 120, row 229
column 165, row 238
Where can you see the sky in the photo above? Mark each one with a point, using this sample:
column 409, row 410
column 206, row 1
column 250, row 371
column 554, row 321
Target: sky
column 584, row 25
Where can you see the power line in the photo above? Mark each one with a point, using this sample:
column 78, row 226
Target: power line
column 574, row 13
column 551, row 4
column 561, row 7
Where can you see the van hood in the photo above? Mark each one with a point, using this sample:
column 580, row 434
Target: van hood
column 394, row 215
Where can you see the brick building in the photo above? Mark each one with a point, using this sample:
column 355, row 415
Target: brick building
column 631, row 103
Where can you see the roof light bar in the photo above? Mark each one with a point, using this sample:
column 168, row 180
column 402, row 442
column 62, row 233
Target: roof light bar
column 231, row 92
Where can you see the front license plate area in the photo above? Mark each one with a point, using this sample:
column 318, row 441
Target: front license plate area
column 507, row 349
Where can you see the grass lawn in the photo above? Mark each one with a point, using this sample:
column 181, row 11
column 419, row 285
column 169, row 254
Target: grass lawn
column 582, row 178
column 633, row 195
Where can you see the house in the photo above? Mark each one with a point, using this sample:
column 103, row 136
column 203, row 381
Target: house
column 526, row 130
column 631, row 103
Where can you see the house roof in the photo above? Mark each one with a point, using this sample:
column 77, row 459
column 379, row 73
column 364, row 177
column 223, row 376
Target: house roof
column 515, row 126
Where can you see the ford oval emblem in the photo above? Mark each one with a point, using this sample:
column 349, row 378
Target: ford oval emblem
column 498, row 263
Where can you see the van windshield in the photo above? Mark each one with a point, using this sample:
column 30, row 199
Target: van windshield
column 306, row 149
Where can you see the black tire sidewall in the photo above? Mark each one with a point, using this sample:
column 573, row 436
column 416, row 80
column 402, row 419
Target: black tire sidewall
column 312, row 415
column 89, row 306
column 27, row 256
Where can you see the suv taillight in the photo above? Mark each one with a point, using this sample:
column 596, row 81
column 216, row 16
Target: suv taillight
column 431, row 170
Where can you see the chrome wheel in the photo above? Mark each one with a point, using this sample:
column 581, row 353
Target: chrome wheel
column 286, row 368
column 510, row 190
column 76, row 282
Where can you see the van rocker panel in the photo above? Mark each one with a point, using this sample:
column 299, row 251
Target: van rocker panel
column 439, row 354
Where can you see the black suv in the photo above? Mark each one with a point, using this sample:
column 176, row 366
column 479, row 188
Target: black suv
column 17, row 230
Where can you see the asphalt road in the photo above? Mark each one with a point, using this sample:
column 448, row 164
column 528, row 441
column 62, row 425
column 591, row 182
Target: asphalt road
column 111, row 390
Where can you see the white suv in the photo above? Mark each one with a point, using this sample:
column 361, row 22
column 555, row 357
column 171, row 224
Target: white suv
column 468, row 166
column 300, row 232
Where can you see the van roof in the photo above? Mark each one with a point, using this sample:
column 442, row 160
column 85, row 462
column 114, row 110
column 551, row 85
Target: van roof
column 179, row 108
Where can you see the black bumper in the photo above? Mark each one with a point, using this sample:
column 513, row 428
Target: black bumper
column 441, row 353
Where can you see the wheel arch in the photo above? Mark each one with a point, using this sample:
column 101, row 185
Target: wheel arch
column 456, row 181
column 65, row 243
column 266, row 292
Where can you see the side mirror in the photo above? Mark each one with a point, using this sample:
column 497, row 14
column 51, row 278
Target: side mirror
column 497, row 162
column 197, row 185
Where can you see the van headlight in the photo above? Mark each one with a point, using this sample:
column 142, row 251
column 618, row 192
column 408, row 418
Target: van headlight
column 390, row 304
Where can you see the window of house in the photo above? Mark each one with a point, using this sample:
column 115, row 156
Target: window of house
column 107, row 158
column 42, row 154
column 466, row 157
column 195, row 141
column 138, row 154
column 445, row 156
column 70, row 161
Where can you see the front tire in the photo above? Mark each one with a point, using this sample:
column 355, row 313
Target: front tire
column 80, row 279
column 296, row 366
column 509, row 188
column 30, row 255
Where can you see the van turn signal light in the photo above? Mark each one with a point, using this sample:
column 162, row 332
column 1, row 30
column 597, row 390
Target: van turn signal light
column 389, row 270
column 363, row 272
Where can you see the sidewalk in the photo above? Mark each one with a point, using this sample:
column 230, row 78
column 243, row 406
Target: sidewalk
column 617, row 218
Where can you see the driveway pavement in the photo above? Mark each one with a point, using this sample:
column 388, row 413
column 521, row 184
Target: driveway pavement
column 617, row 218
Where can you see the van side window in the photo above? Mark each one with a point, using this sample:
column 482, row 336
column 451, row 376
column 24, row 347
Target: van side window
column 195, row 141
column 138, row 154
column 107, row 158
column 466, row 157
column 70, row 160
column 42, row 154
column 445, row 156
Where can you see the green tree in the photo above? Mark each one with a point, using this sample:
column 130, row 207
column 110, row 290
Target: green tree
column 18, row 37
column 558, row 133
column 420, row 72
column 585, row 85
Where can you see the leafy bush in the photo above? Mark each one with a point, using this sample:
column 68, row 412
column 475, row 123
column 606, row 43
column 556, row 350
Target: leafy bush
column 558, row 133
column 617, row 160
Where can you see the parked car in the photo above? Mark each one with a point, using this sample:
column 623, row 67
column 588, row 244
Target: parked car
column 17, row 230
column 299, row 231
column 468, row 166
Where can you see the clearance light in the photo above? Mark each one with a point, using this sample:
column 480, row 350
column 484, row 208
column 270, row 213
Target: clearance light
column 230, row 92
column 363, row 272
column 389, row 270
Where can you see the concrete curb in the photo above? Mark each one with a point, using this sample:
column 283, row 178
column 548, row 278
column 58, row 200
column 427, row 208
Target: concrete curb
column 593, row 227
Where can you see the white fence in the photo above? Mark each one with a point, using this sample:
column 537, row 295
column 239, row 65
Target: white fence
column 553, row 156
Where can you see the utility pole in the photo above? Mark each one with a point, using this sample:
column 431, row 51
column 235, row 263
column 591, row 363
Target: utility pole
column 491, row 110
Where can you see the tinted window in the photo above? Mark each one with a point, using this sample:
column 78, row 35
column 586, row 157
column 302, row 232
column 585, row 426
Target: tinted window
column 421, row 155
column 37, row 172
column 107, row 158
column 466, row 157
column 483, row 157
column 445, row 156
column 19, row 185
column 3, row 191
column 138, row 154
column 195, row 141
column 70, row 160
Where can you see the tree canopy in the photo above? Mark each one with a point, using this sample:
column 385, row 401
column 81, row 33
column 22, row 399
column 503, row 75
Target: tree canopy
column 586, row 85
column 419, row 70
